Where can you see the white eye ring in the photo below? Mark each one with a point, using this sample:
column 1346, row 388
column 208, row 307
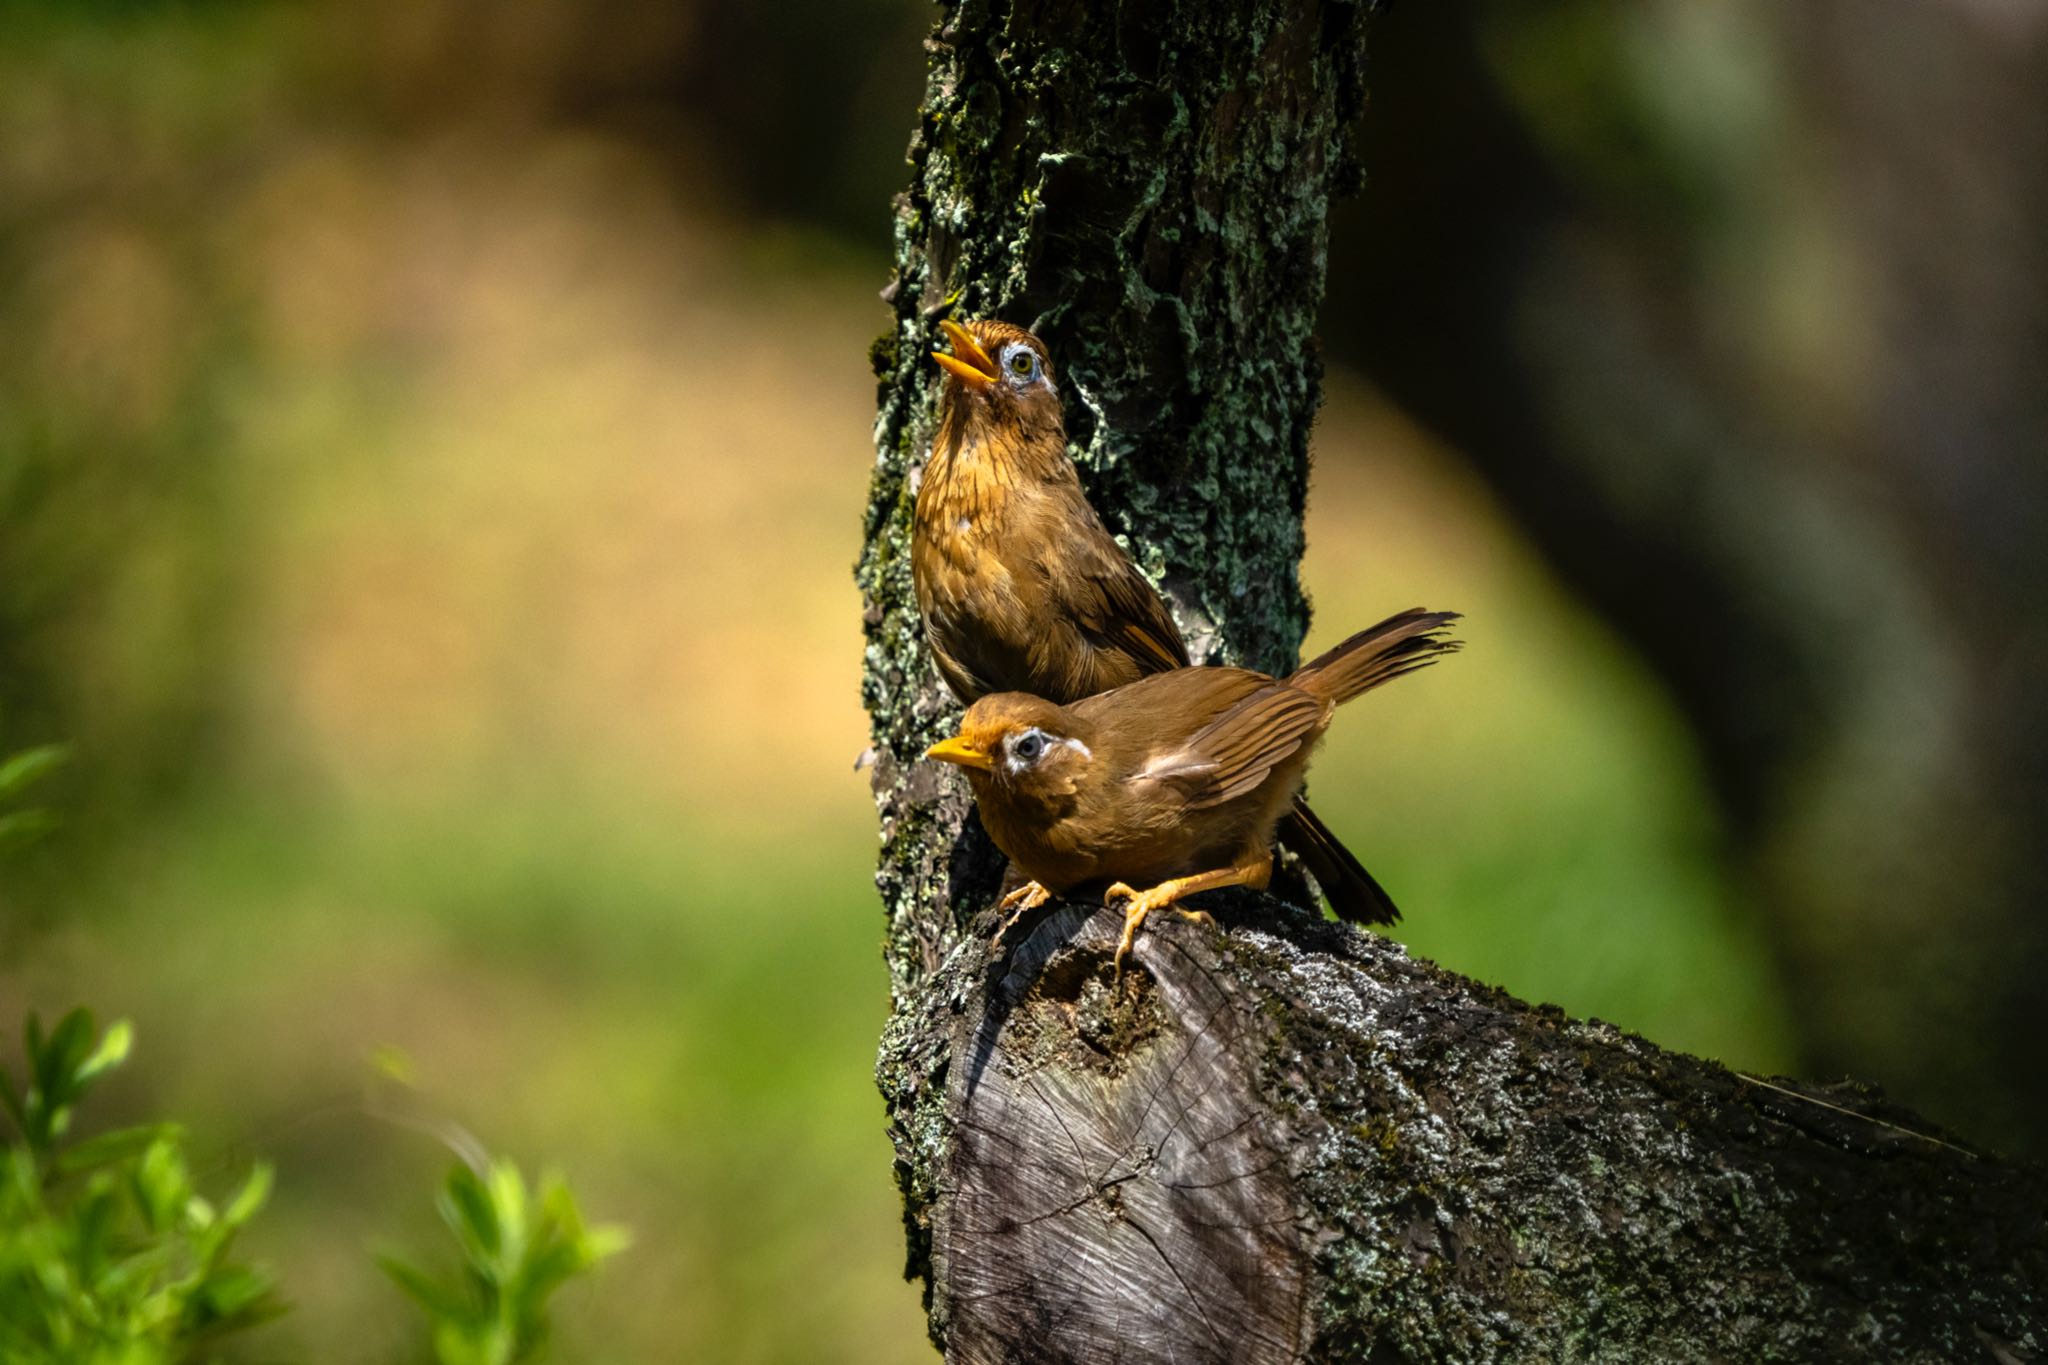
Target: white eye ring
column 1020, row 363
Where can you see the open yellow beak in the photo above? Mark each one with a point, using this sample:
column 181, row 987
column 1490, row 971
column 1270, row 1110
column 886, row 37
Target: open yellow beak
column 968, row 363
column 958, row 750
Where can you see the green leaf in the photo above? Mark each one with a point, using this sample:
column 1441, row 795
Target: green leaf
column 93, row 1223
column 508, row 1205
column 466, row 1208
column 53, row 1064
column 107, row 1149
column 58, row 1061
column 422, row 1289
column 465, row 1344
column 255, row 1192
column 239, row 1294
column 112, row 1051
column 32, row 1042
column 161, row 1185
column 548, row 1272
column 25, row 826
column 30, row 766
column 394, row 1064
column 11, row 1101
column 605, row 1241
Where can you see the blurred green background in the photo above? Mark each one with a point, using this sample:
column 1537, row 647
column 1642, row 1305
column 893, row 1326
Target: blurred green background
column 432, row 440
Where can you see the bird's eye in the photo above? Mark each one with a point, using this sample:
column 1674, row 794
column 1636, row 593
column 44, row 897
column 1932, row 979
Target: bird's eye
column 1023, row 363
column 1029, row 746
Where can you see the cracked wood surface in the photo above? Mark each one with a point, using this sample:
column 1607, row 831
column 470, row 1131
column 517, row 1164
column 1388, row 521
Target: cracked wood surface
column 1096, row 1126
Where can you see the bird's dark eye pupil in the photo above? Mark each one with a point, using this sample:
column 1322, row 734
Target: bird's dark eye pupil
column 1021, row 363
column 1030, row 747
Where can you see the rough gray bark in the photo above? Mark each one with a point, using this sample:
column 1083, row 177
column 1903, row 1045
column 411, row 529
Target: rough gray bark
column 1287, row 1140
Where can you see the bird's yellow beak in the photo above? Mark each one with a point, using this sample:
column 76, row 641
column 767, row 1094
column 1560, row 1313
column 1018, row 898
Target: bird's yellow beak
column 958, row 750
column 969, row 363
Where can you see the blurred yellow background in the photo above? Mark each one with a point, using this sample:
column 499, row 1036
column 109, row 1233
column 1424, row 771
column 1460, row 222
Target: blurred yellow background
column 431, row 514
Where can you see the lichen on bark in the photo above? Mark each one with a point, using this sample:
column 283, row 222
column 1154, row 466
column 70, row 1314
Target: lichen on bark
column 1146, row 185
column 1288, row 1140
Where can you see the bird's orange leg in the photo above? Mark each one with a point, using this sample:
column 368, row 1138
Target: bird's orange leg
column 1020, row 903
column 1253, row 869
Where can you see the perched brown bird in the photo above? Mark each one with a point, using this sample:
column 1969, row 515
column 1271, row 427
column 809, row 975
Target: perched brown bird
column 1020, row 585
column 1173, row 783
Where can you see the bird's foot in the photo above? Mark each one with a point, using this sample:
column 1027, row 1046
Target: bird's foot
column 1139, row 904
column 1019, row 903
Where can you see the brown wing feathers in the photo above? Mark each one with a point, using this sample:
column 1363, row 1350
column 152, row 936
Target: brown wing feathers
column 1113, row 602
column 1247, row 741
column 1233, row 754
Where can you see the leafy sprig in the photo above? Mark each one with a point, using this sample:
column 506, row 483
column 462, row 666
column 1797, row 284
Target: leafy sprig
column 109, row 1254
column 518, row 1246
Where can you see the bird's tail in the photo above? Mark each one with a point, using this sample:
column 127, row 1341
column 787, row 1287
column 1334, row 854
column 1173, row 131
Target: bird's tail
column 1400, row 644
column 1378, row 654
column 1352, row 891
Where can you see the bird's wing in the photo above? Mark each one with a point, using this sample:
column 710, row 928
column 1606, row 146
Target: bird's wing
column 1115, row 604
column 965, row 682
column 1237, row 751
column 969, row 659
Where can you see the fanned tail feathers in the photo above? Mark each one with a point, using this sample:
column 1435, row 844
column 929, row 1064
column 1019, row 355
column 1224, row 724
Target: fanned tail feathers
column 1378, row 654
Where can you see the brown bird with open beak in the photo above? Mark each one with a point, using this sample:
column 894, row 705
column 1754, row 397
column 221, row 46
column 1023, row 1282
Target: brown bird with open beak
column 1169, row 785
column 1020, row 585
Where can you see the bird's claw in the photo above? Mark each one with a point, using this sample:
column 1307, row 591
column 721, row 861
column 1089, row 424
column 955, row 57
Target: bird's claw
column 1028, row 896
column 1019, row 903
column 1140, row 904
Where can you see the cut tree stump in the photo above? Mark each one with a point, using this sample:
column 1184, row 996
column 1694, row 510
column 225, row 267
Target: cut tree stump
column 1288, row 1140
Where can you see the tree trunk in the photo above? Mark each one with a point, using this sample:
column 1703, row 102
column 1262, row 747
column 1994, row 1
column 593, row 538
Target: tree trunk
column 1286, row 1139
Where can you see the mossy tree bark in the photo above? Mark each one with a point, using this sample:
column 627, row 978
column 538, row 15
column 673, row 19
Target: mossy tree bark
column 1288, row 1140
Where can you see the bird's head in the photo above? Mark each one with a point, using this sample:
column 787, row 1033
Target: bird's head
column 1020, row 747
column 998, row 373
